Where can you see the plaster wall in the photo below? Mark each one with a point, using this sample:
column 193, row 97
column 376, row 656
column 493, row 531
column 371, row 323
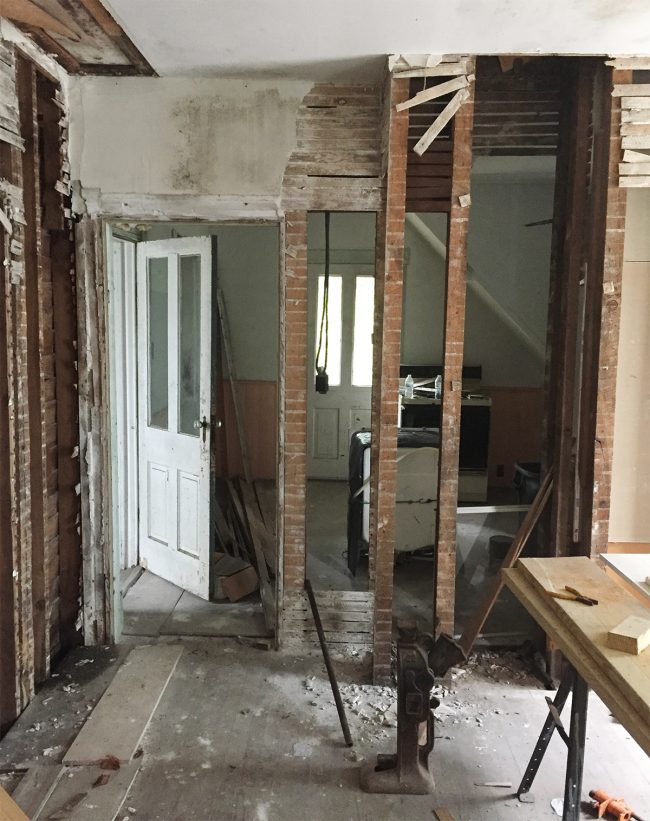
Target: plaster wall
column 630, row 511
column 203, row 137
column 509, row 260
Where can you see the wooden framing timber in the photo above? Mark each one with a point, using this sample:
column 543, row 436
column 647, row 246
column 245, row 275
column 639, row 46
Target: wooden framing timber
column 94, row 427
column 453, row 339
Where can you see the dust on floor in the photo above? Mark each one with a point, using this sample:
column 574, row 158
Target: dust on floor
column 246, row 734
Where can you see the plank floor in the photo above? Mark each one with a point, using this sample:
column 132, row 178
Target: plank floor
column 245, row 734
column 154, row 607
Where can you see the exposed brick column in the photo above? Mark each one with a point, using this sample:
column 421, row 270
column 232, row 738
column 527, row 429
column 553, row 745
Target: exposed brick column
column 294, row 447
column 385, row 383
column 454, row 334
column 609, row 330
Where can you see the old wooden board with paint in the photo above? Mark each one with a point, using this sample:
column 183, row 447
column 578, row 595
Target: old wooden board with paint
column 116, row 725
column 620, row 679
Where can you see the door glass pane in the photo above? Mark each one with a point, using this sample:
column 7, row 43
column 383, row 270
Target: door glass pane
column 335, row 329
column 189, row 342
column 364, row 313
column 158, row 364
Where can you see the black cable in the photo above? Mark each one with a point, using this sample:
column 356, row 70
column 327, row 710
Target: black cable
column 324, row 320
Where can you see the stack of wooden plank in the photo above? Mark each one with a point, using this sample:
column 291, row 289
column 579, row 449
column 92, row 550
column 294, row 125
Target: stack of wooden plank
column 621, row 679
column 634, row 171
column 244, row 518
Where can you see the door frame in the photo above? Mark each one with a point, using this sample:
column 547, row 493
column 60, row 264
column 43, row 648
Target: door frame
column 111, row 590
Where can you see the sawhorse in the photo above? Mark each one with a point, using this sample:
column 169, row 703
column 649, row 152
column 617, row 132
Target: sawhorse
column 574, row 739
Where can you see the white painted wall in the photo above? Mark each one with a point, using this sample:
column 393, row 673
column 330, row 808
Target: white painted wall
column 182, row 136
column 248, row 275
column 510, row 261
column 630, row 510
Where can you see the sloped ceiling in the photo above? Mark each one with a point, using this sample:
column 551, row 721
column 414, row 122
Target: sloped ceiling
column 340, row 39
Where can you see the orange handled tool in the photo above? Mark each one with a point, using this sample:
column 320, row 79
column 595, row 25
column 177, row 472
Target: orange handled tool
column 614, row 807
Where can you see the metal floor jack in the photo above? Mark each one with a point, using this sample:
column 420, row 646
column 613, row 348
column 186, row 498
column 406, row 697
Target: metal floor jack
column 419, row 660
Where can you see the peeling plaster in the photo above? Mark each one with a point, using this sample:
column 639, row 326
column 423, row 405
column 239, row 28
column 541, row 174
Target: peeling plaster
column 172, row 137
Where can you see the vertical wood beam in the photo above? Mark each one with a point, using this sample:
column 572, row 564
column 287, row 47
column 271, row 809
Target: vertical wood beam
column 8, row 622
column 26, row 88
column 94, row 427
column 293, row 445
column 385, row 381
column 567, row 331
column 453, row 342
column 19, row 535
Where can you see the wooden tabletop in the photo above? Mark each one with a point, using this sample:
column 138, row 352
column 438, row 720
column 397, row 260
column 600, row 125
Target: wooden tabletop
column 622, row 680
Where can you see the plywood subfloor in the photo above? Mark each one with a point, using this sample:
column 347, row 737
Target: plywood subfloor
column 246, row 734
column 154, row 607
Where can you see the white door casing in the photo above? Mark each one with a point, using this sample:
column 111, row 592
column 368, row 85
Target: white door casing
column 174, row 319
column 345, row 408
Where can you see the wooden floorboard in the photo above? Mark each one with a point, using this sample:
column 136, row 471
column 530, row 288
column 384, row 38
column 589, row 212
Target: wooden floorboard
column 85, row 793
column 116, row 725
column 35, row 788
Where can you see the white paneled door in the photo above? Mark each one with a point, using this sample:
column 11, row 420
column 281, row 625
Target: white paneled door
column 333, row 417
column 173, row 319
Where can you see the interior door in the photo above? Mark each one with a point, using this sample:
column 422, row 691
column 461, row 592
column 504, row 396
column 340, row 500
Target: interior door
column 345, row 408
column 173, row 319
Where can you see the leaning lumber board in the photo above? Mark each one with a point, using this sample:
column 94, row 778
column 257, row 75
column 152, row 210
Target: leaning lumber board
column 118, row 722
column 89, row 792
column 434, row 92
column 9, row 810
column 441, row 121
column 36, row 786
column 590, row 625
column 632, row 635
column 580, row 656
column 477, row 619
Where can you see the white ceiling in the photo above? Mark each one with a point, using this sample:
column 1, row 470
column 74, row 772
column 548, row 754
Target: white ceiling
column 336, row 39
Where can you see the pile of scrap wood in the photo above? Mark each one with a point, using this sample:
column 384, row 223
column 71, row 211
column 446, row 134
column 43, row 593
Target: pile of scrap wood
column 244, row 558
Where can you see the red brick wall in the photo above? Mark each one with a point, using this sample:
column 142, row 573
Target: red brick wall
column 295, row 398
column 454, row 333
column 610, row 326
column 386, row 361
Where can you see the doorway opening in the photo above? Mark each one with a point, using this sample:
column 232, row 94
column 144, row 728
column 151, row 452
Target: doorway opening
column 338, row 420
column 193, row 335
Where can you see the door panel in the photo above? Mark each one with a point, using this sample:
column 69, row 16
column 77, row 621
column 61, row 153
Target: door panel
column 345, row 408
column 174, row 320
